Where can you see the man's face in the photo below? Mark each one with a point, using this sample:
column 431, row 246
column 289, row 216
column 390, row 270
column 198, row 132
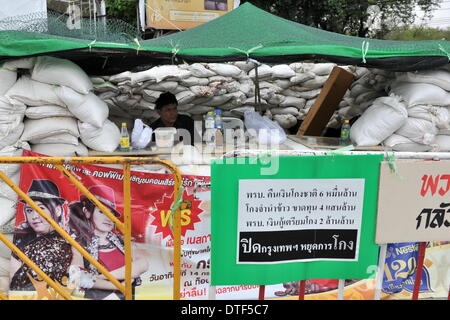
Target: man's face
column 168, row 114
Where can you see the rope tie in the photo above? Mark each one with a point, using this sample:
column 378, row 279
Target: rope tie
column 91, row 44
column 175, row 50
column 364, row 50
column 392, row 164
column 444, row 51
column 249, row 51
column 138, row 44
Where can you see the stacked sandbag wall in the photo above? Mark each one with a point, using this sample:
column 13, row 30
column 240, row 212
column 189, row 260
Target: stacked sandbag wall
column 413, row 115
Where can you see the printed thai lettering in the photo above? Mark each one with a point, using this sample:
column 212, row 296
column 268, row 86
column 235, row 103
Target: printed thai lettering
column 435, row 218
column 431, row 184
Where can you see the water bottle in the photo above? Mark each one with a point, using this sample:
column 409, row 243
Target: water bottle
column 209, row 136
column 218, row 124
column 124, row 138
column 345, row 133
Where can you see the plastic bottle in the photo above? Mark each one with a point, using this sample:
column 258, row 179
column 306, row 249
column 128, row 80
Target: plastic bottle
column 209, row 135
column 124, row 138
column 345, row 133
column 218, row 124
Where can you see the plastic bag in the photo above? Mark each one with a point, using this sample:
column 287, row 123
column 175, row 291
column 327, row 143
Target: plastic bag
column 264, row 129
column 141, row 135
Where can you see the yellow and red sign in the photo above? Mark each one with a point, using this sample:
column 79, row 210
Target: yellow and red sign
column 184, row 14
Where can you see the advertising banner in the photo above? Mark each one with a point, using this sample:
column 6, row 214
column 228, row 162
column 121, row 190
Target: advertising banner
column 312, row 218
column 174, row 15
column 152, row 196
column 413, row 202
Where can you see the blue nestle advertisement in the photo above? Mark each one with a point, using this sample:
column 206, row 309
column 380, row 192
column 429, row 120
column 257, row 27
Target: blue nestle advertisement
column 400, row 269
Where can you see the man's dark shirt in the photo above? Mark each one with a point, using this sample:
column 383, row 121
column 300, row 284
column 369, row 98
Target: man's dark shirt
column 182, row 122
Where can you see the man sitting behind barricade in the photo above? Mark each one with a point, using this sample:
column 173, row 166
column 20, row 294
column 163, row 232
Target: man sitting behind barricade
column 166, row 106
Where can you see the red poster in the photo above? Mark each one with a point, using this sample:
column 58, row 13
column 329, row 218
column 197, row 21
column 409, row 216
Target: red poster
column 152, row 196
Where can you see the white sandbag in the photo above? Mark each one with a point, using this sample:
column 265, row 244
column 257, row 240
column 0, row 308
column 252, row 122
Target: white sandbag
column 61, row 150
column 194, row 81
column 200, row 109
column 368, row 96
column 219, row 100
column 264, row 71
column 150, row 95
column 185, row 97
column 126, row 101
column 41, row 128
column 358, row 89
column 276, row 99
column 201, row 70
column 439, row 77
column 162, row 86
column 232, row 86
column 247, row 87
column 316, row 82
column 160, row 73
column 270, row 85
column 47, row 111
column 282, row 71
column 418, row 130
column 440, row 116
column 123, row 76
column 10, row 169
column 225, row 69
column 319, row 69
column 310, row 94
column 245, row 66
column 8, row 78
column 87, row 108
column 287, row 110
column 421, row 94
column 65, row 138
column 22, row 63
column 144, row 104
column 442, row 142
column 302, row 77
column 5, row 252
column 378, row 122
column 286, row 121
column 299, row 103
column 399, row 143
column 8, row 210
column 11, row 130
column 202, row 91
column 10, row 106
column 105, row 87
column 282, row 83
column 179, row 89
column 62, row 72
column 34, row 93
column 105, row 139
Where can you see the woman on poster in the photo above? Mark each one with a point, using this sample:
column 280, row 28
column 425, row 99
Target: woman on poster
column 92, row 229
column 37, row 239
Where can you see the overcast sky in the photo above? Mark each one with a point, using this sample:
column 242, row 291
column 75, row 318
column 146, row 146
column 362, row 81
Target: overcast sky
column 441, row 16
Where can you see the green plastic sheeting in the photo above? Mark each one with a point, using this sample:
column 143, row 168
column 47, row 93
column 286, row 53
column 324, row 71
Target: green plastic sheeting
column 245, row 32
column 224, row 218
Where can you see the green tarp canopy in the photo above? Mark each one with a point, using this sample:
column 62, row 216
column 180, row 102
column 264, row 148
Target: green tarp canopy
column 245, row 32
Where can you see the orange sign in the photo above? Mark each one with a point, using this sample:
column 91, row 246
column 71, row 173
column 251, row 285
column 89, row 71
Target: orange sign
column 184, row 14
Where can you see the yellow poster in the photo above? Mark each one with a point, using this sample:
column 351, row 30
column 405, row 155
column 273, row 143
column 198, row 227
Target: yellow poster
column 184, row 14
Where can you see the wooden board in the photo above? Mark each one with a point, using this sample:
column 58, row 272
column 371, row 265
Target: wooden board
column 326, row 103
column 329, row 143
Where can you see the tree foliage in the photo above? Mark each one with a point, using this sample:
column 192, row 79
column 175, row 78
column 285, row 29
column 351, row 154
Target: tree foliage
column 352, row 17
column 122, row 9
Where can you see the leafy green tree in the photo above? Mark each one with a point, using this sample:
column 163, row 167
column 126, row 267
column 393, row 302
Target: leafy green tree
column 352, row 17
column 122, row 9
